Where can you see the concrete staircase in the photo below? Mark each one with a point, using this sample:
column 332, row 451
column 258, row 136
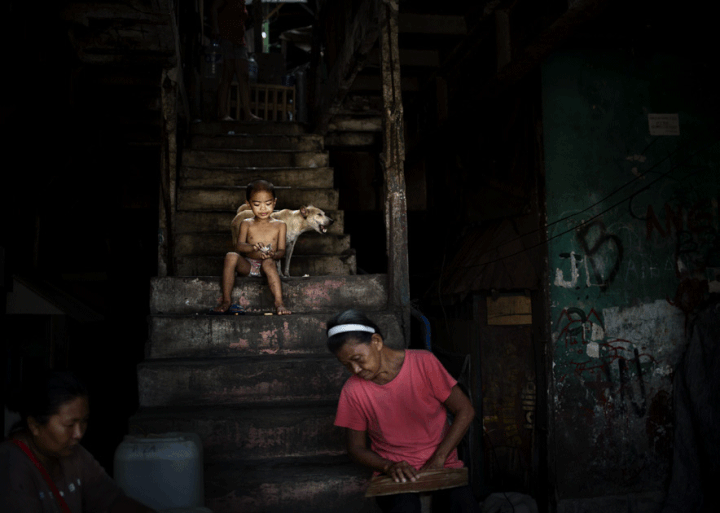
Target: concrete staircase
column 222, row 159
column 261, row 391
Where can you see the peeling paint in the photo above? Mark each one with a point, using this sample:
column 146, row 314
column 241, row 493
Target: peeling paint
column 240, row 344
column 593, row 350
column 269, row 338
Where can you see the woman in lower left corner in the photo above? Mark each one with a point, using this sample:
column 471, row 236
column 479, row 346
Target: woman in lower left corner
column 43, row 467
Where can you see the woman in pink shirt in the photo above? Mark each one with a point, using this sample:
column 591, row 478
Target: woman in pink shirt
column 398, row 398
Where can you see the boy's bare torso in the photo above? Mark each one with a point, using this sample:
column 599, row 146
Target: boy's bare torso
column 264, row 232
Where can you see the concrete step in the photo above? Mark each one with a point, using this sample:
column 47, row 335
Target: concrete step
column 214, row 244
column 300, row 485
column 319, row 177
column 230, row 198
column 300, row 265
column 258, row 379
column 189, row 222
column 306, row 142
column 190, row 295
column 230, row 433
column 254, row 158
column 239, row 127
column 204, row 336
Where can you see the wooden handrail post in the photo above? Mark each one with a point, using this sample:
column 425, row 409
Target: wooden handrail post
column 393, row 158
column 168, row 170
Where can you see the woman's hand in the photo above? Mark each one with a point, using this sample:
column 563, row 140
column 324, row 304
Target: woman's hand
column 436, row 461
column 460, row 405
column 401, row 471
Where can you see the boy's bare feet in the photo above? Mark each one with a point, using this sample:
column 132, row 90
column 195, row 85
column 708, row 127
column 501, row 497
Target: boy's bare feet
column 281, row 310
column 253, row 117
column 222, row 307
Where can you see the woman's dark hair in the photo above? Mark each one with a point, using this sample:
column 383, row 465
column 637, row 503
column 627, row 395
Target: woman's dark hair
column 259, row 185
column 351, row 316
column 43, row 397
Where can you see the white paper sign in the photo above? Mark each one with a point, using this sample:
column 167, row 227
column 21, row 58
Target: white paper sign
column 664, row 124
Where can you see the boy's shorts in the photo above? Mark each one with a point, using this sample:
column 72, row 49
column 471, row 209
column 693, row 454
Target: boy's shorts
column 254, row 267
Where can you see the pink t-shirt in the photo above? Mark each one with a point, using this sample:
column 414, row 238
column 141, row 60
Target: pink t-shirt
column 405, row 418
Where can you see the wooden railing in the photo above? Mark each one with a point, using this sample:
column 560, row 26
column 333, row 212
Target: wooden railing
column 268, row 101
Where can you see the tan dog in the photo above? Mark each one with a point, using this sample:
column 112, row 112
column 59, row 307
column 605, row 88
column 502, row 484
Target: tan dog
column 297, row 221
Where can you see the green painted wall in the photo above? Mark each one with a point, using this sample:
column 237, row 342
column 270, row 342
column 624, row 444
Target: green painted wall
column 633, row 227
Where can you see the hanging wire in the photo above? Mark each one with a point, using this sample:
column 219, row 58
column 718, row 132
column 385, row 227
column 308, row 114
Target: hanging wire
column 587, row 221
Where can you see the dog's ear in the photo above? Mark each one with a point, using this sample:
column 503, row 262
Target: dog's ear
column 304, row 212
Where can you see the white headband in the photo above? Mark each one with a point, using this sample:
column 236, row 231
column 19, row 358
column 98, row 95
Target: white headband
column 342, row 328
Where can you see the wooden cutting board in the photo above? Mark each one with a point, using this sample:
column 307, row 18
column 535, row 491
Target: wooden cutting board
column 427, row 481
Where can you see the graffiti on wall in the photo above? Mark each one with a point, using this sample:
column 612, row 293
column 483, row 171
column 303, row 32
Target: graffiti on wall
column 697, row 244
column 620, row 361
column 599, row 261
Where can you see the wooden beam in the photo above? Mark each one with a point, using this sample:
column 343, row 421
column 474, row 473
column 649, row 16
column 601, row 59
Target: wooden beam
column 393, row 158
column 432, row 24
column 360, row 36
column 417, row 58
column 168, row 171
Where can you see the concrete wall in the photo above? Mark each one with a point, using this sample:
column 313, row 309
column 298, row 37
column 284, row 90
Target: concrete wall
column 633, row 228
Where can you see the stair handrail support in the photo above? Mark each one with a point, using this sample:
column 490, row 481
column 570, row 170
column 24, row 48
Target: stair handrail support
column 173, row 92
column 168, row 171
column 392, row 160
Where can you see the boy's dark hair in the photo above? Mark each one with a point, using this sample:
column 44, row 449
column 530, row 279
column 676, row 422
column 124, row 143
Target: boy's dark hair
column 43, row 397
column 351, row 316
column 259, row 185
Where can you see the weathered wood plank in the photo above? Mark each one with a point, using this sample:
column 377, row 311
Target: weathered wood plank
column 168, row 172
column 393, row 158
column 427, row 481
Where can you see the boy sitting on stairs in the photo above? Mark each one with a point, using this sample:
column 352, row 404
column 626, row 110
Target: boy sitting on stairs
column 262, row 240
